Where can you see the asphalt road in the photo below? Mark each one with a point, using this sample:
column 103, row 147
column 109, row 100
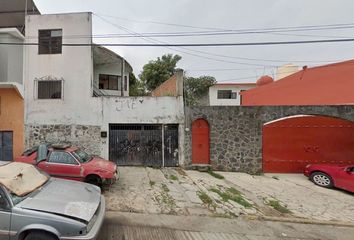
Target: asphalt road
column 124, row 226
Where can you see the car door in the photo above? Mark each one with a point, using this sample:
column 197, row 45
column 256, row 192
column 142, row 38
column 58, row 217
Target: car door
column 62, row 164
column 345, row 179
column 5, row 216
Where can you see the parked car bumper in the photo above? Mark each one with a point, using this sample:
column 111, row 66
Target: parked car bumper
column 111, row 181
column 93, row 233
column 307, row 170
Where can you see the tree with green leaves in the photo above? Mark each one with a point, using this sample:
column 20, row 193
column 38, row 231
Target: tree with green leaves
column 136, row 87
column 195, row 88
column 158, row 71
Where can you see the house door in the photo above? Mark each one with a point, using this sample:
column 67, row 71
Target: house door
column 6, row 145
column 289, row 144
column 200, row 142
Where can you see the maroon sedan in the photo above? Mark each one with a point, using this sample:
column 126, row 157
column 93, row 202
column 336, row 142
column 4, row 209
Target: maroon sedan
column 329, row 176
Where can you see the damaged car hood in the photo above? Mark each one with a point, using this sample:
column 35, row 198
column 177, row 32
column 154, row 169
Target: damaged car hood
column 67, row 198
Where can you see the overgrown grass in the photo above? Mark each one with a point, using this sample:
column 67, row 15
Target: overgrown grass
column 231, row 194
column 206, row 199
column 215, row 175
column 152, row 183
column 173, row 177
column 277, row 206
column 166, row 199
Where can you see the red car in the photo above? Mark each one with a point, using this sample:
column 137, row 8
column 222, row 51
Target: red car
column 329, row 176
column 65, row 161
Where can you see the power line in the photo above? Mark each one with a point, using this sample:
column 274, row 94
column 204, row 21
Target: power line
column 221, row 69
column 207, row 33
column 211, row 54
column 194, row 44
column 177, row 50
column 226, row 29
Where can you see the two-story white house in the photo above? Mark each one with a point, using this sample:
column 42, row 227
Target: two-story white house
column 228, row 94
column 80, row 94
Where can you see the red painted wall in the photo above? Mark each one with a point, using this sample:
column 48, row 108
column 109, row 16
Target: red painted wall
column 325, row 85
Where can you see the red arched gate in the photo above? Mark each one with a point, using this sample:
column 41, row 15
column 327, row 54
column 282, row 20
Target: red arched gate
column 291, row 143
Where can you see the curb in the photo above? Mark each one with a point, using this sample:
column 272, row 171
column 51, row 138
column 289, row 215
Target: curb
column 305, row 221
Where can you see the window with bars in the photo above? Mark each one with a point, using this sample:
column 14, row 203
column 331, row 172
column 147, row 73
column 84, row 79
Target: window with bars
column 49, row 89
column 226, row 94
column 109, row 82
column 50, row 41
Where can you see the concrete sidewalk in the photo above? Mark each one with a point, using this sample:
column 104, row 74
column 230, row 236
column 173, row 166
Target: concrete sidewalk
column 192, row 193
column 153, row 226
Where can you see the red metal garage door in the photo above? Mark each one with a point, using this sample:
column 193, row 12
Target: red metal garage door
column 200, row 142
column 290, row 144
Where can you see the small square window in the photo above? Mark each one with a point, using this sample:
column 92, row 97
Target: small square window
column 50, row 41
column 224, row 94
column 109, row 82
column 50, row 89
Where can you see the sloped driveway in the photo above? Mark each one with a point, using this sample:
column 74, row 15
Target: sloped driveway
column 193, row 193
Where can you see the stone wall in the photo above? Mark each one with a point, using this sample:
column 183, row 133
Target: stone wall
column 85, row 137
column 236, row 132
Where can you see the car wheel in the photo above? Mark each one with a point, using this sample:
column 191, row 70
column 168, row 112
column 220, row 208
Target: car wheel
column 95, row 180
column 321, row 179
column 40, row 236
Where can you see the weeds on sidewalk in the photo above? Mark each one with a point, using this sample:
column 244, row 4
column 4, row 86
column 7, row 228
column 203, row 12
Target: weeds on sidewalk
column 173, row 177
column 214, row 174
column 152, row 183
column 206, row 199
column 277, row 206
column 165, row 200
column 233, row 195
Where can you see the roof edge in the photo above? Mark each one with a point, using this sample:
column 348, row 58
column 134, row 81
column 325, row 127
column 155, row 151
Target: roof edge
column 14, row 32
column 17, row 86
column 112, row 52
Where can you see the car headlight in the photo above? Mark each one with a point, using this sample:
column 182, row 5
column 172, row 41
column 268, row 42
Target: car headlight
column 308, row 165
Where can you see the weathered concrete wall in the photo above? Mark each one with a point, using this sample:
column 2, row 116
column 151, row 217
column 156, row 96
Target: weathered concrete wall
column 74, row 65
column 11, row 56
column 142, row 110
column 87, row 137
column 236, row 132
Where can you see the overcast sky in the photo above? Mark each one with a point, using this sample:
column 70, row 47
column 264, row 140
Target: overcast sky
column 136, row 16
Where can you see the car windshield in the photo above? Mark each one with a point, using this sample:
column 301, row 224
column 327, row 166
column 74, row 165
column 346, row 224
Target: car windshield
column 17, row 199
column 82, row 156
column 21, row 179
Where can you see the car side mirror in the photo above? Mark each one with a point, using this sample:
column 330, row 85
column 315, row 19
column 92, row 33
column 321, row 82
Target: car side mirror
column 348, row 169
